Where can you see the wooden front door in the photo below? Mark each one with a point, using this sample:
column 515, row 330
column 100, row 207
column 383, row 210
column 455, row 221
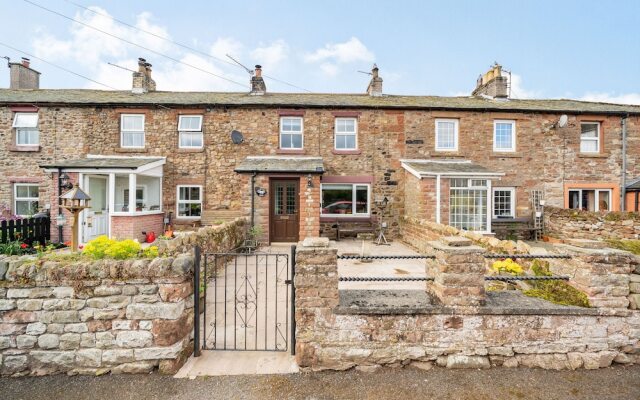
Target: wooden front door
column 284, row 211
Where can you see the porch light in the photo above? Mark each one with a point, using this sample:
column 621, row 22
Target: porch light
column 61, row 220
column 64, row 182
column 75, row 200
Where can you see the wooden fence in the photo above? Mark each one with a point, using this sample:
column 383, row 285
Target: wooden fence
column 29, row 230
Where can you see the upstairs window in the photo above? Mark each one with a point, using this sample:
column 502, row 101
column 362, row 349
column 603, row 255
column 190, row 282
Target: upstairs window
column 590, row 137
column 446, row 134
column 25, row 199
column 291, row 133
column 346, row 137
column 26, row 126
column 189, row 201
column 132, row 130
column 190, row 131
column 504, row 135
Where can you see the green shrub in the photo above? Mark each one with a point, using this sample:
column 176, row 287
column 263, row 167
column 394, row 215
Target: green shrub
column 123, row 249
column 558, row 292
column 98, row 247
column 627, row 244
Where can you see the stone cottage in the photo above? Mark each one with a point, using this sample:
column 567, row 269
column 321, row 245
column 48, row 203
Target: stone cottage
column 301, row 165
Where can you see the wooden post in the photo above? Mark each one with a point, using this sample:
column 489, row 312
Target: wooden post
column 74, row 231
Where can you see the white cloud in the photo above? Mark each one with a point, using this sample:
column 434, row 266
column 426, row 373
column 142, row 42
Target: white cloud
column 226, row 45
column 329, row 69
column 518, row 91
column 353, row 50
column 271, row 55
column 625, row 98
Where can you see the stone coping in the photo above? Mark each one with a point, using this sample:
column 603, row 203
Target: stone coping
column 404, row 302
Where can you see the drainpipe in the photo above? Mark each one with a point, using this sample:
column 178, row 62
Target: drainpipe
column 60, row 238
column 253, row 196
column 623, row 190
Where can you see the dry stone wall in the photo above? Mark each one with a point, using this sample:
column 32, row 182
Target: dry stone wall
column 95, row 317
column 217, row 238
column 579, row 224
column 330, row 338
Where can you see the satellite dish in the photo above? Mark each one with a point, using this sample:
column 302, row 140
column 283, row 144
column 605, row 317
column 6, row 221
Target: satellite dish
column 236, row 137
column 562, row 122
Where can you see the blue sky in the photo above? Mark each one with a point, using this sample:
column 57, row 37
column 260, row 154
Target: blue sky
column 576, row 49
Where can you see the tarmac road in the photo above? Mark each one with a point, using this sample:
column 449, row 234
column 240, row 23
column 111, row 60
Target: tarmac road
column 498, row 383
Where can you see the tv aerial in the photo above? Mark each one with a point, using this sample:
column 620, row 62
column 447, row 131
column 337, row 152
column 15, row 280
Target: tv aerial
column 237, row 137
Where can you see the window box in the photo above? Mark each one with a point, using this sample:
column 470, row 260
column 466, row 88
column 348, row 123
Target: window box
column 504, row 136
column 291, row 136
column 345, row 200
column 190, row 132
column 132, row 131
column 447, row 135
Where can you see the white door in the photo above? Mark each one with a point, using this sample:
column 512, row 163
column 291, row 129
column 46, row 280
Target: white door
column 96, row 218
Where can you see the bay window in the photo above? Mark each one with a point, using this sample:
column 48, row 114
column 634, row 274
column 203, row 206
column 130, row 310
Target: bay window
column 340, row 199
column 468, row 204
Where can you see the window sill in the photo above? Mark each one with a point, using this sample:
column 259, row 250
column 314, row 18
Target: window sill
column 131, row 150
column 291, row 151
column 24, row 148
column 506, row 154
column 346, row 218
column 593, row 155
column 346, row 152
column 438, row 153
column 134, row 214
column 193, row 150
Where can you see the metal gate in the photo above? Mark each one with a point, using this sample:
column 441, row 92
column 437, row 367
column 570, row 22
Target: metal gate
column 245, row 301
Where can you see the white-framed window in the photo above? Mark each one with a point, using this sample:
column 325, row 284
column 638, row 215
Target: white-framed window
column 190, row 131
column 346, row 199
column 291, row 136
column 141, row 198
column 590, row 199
column 25, row 199
column 469, row 204
column 26, row 126
column 504, row 135
column 346, row 137
column 446, row 134
column 589, row 137
column 504, row 202
column 189, row 203
column 132, row 130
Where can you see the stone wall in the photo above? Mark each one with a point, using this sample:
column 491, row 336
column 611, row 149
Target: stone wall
column 465, row 336
column 579, row 224
column 212, row 239
column 95, row 317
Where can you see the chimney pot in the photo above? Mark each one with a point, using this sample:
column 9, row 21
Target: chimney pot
column 142, row 81
column 492, row 83
column 258, row 87
column 375, row 85
column 22, row 76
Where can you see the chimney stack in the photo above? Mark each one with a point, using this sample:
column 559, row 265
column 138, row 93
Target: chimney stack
column 258, row 87
column 22, row 76
column 142, row 81
column 492, row 84
column 375, row 86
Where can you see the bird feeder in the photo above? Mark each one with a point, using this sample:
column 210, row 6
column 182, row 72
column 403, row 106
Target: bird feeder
column 75, row 200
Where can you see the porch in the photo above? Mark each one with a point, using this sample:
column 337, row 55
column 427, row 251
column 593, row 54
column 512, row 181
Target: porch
column 126, row 196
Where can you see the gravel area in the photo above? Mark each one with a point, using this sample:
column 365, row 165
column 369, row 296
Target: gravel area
column 501, row 383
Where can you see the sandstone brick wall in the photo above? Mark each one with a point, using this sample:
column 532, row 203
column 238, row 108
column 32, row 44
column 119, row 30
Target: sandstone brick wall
column 219, row 238
column 545, row 158
column 131, row 227
column 579, row 224
column 92, row 318
column 328, row 339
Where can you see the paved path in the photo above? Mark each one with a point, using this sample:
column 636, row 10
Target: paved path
column 610, row 383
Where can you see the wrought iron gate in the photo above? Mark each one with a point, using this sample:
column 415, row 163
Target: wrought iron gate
column 245, row 301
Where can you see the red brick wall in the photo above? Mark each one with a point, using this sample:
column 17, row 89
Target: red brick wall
column 131, row 227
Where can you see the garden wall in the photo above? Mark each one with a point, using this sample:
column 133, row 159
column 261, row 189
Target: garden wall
column 95, row 317
column 579, row 224
column 215, row 238
column 460, row 332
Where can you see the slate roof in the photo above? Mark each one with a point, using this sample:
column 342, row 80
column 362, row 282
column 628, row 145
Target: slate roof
column 634, row 184
column 305, row 165
column 103, row 163
column 447, row 167
column 345, row 100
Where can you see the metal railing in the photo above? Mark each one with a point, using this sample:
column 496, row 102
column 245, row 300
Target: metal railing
column 502, row 278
